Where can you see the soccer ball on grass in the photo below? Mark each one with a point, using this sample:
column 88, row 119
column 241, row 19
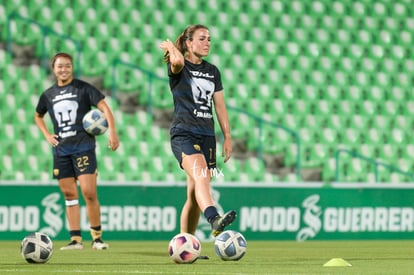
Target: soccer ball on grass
column 184, row 248
column 230, row 245
column 95, row 123
column 36, row 248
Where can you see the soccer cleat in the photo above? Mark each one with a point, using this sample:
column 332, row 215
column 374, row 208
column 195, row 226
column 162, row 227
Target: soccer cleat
column 220, row 222
column 98, row 244
column 73, row 245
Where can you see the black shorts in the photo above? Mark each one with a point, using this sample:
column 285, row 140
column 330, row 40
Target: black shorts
column 190, row 144
column 74, row 165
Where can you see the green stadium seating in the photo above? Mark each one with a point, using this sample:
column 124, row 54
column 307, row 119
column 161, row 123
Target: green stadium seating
column 338, row 73
column 95, row 63
column 255, row 169
column 241, row 124
column 291, row 177
column 3, row 20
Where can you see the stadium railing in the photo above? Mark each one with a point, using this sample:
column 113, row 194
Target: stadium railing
column 152, row 78
column 45, row 33
column 260, row 122
column 151, row 81
column 376, row 164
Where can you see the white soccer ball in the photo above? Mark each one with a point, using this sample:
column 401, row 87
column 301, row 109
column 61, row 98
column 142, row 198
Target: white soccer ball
column 230, row 245
column 95, row 123
column 184, row 248
column 36, row 248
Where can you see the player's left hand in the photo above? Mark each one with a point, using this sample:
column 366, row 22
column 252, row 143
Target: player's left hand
column 113, row 141
column 166, row 45
column 227, row 149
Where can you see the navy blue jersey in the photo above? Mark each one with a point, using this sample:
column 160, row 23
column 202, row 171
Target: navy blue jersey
column 67, row 105
column 193, row 90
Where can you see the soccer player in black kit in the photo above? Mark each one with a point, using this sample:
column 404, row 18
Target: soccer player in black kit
column 196, row 85
column 74, row 158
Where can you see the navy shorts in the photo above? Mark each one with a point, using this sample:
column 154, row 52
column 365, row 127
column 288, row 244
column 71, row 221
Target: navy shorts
column 74, row 165
column 190, row 144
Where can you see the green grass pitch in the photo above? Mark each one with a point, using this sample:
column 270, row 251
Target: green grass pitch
column 262, row 257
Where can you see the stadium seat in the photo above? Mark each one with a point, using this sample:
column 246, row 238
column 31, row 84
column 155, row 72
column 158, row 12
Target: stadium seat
column 313, row 121
column 322, row 107
column 3, row 19
column 350, row 81
column 367, row 108
column 132, row 168
column 3, row 88
column 318, row 155
column 345, row 108
column 329, row 136
column 397, row 136
column 335, row 121
column 270, row 178
column 278, row 107
column 241, row 123
column 329, row 170
column 382, row 122
column 352, row 137
column 60, row 8
column 390, row 152
column 230, row 171
column 292, row 178
column 408, row 108
column 292, row 121
column 404, row 164
column 83, row 30
column 401, row 121
column 256, row 106
column 400, row 178
column 299, row 106
column 375, row 136
column 291, row 154
column 95, row 63
column 368, row 150
column 5, row 59
column 350, row 169
column 255, row 169
column 359, row 122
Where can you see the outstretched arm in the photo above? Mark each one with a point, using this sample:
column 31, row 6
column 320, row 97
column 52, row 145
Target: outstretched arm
column 176, row 58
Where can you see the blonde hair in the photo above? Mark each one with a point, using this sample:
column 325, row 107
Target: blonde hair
column 180, row 42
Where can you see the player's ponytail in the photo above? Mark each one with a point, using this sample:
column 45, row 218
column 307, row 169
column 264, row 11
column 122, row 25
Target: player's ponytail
column 180, row 42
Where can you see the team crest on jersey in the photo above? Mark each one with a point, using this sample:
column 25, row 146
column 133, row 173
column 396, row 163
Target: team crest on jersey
column 55, row 172
column 197, row 147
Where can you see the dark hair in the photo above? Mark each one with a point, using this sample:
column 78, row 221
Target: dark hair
column 65, row 55
column 180, row 42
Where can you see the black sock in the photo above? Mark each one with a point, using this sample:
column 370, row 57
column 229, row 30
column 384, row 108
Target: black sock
column 75, row 233
column 96, row 228
column 210, row 213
